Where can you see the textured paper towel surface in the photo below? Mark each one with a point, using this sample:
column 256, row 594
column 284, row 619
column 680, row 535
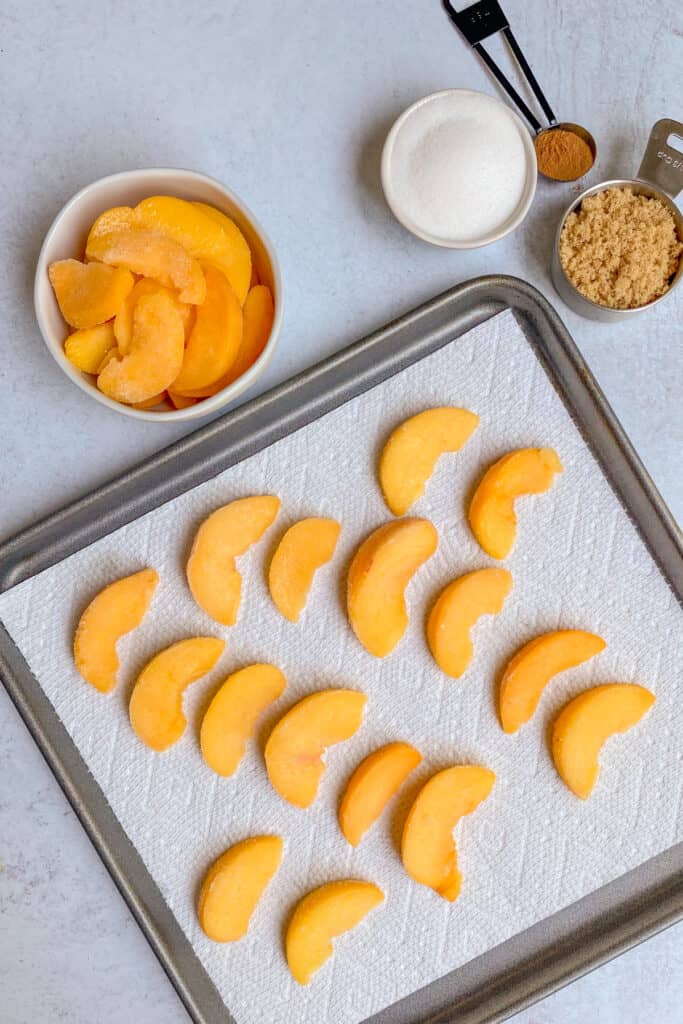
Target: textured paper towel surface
column 532, row 848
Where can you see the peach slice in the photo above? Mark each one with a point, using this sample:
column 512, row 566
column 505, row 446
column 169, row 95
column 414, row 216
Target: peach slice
column 117, row 218
column 151, row 254
column 380, row 571
column 88, row 293
column 156, row 704
column 150, row 403
column 492, row 509
column 181, row 401
column 428, row 849
column 257, row 322
column 230, row 531
column 586, row 722
column 305, row 546
column 210, row 237
column 123, row 323
column 215, row 337
column 321, row 916
column 457, row 608
column 87, row 348
column 411, row 453
column 535, row 664
column 112, row 613
column 234, row 884
column 376, row 779
column 295, row 747
column 155, row 355
column 231, row 716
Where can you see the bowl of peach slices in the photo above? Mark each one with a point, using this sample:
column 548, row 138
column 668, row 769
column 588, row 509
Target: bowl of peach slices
column 159, row 294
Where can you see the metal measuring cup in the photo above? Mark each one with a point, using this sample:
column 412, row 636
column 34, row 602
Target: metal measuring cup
column 660, row 176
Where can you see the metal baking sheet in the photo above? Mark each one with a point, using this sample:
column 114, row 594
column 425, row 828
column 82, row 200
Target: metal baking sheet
column 545, row 956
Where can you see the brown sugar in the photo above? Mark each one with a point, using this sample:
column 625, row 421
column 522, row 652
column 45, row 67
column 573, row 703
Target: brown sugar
column 563, row 155
column 620, row 249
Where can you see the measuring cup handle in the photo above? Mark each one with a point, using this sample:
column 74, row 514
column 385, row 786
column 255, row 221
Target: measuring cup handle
column 662, row 165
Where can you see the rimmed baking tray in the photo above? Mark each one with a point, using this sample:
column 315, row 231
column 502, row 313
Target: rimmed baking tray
column 544, row 956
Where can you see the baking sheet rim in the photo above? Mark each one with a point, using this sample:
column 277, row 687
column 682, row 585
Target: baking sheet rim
column 637, row 904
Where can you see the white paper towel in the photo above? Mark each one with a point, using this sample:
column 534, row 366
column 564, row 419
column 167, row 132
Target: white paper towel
column 532, row 848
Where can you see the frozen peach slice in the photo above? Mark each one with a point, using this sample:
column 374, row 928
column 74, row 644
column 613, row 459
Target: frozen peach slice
column 117, row 218
column 232, row 714
column 156, row 704
column 215, row 337
column 457, row 609
column 411, row 453
column 321, row 916
column 151, row 254
column 380, row 571
column 295, row 747
column 305, row 546
column 87, row 348
column 155, row 354
column 428, row 849
column 237, row 262
column 257, row 323
column 115, row 611
column 376, row 779
column 181, row 401
column 123, row 323
column 229, row 532
column 535, row 664
column 149, row 403
column 492, row 510
column 234, row 884
column 210, row 238
column 88, row 293
column 586, row 722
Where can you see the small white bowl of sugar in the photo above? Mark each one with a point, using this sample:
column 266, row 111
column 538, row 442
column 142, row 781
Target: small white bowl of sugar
column 459, row 169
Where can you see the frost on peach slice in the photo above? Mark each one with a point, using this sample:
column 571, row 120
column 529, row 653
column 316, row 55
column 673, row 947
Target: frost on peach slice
column 234, row 884
column 295, row 747
column 152, row 254
column 156, row 704
column 227, row 533
column 123, row 322
column 323, row 915
column 156, row 353
column 86, row 348
column 88, row 293
column 215, row 337
column 428, row 849
column 231, row 716
column 116, row 218
column 209, row 237
column 112, row 613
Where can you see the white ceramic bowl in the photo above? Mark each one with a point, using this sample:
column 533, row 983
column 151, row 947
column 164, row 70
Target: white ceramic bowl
column 66, row 238
column 417, row 118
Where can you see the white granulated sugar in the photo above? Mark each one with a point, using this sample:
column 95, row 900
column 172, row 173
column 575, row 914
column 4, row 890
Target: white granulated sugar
column 459, row 166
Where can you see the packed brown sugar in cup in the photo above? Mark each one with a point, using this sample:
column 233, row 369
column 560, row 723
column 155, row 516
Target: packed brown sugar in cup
column 620, row 249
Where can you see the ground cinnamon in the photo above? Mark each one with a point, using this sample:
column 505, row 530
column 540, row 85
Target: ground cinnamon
column 563, row 155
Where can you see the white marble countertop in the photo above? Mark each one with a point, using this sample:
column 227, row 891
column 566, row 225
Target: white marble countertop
column 288, row 103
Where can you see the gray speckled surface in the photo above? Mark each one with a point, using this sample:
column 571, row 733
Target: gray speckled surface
column 290, row 108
